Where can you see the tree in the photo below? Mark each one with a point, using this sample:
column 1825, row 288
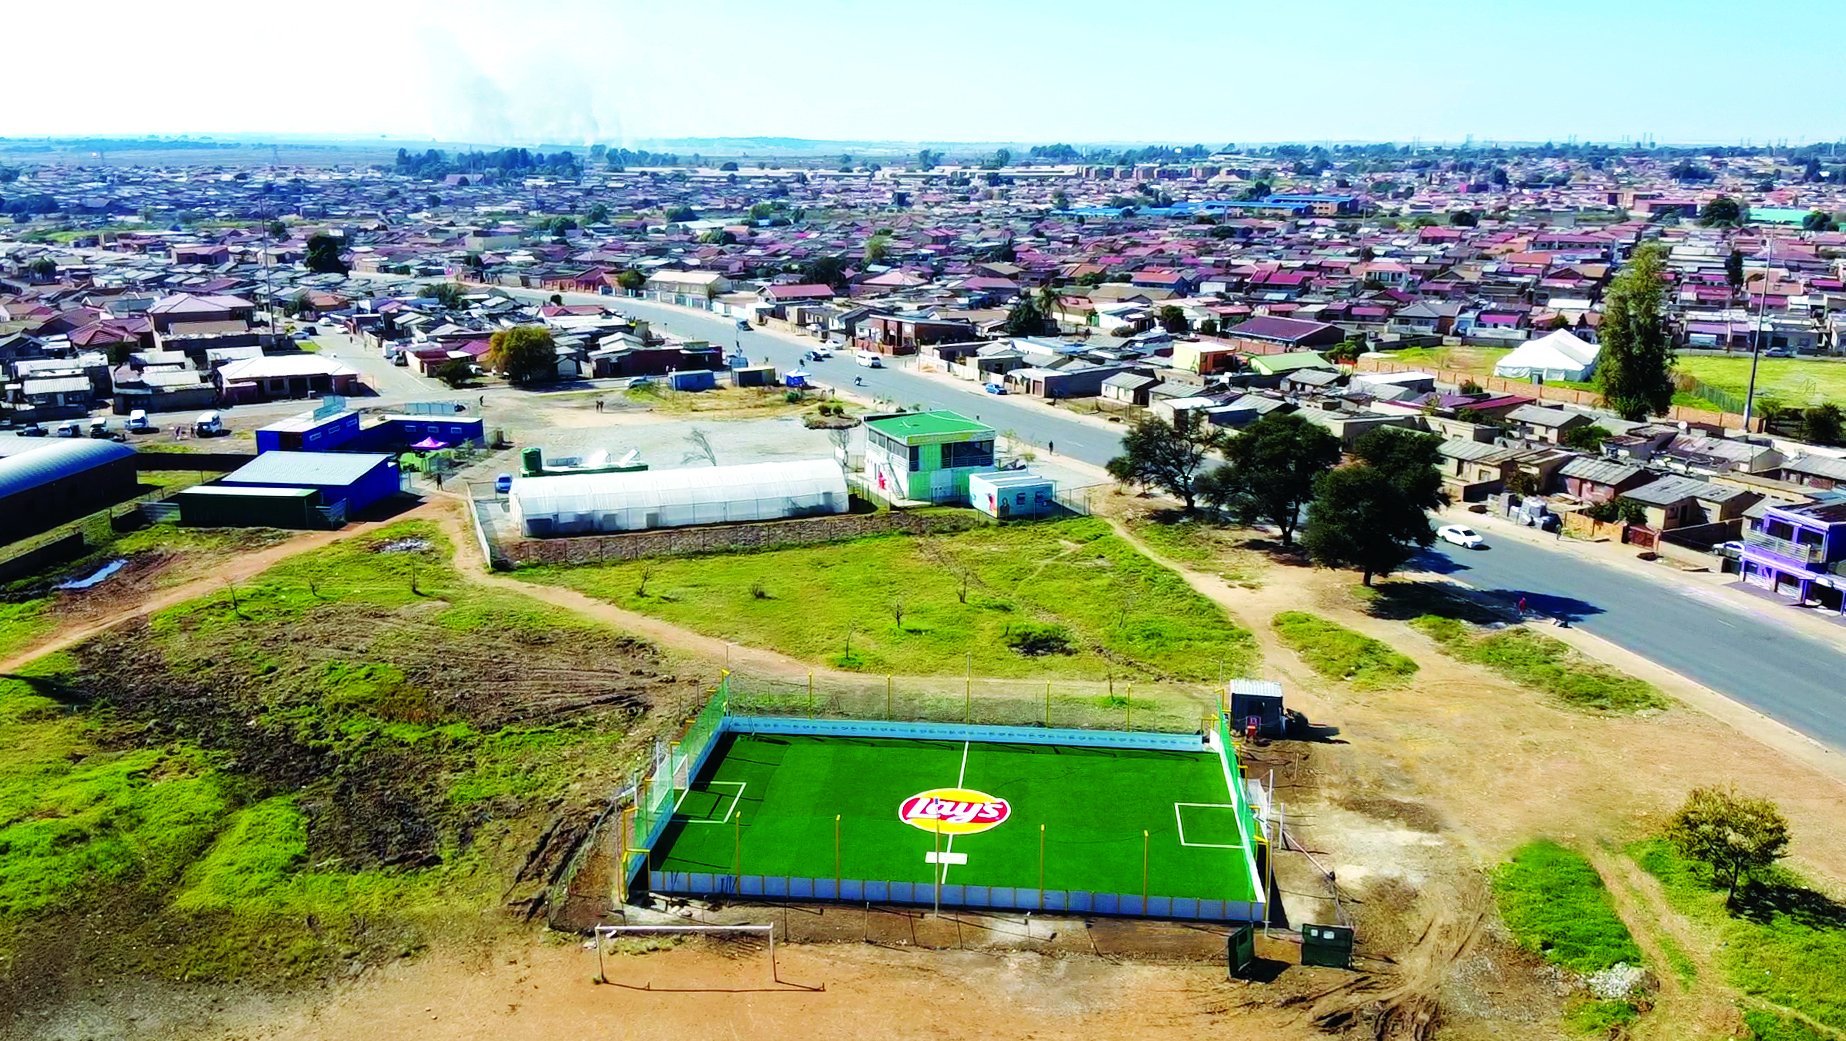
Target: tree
column 1817, row 220
column 1733, row 270
column 456, row 372
column 1587, row 439
column 323, row 256
column 928, row 160
column 276, row 229
column 44, row 269
column 727, row 167
column 449, row 295
column 631, row 279
column 1046, row 300
column 524, row 354
column 1635, row 370
column 1025, row 319
column 1060, row 200
column 877, row 248
column 1736, row 835
column 824, row 271
column 1464, row 219
column 596, row 214
column 1721, row 211
column 1408, row 459
column 1358, row 519
column 1002, row 158
column 1270, row 471
column 1168, row 456
column 677, row 214
column 1173, row 320
column 1821, row 424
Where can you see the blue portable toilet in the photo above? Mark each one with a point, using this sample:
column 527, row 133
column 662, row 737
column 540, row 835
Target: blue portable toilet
column 692, row 379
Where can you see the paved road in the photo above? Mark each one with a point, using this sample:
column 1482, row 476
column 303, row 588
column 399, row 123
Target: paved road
column 1786, row 675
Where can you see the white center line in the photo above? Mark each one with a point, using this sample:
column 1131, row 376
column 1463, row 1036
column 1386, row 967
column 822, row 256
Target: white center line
column 960, row 778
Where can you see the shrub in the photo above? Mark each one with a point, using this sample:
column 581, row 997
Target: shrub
column 1034, row 638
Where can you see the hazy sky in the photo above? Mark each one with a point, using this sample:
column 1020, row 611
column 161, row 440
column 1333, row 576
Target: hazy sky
column 1210, row 71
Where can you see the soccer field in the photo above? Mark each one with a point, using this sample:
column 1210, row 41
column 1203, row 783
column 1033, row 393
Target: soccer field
column 772, row 805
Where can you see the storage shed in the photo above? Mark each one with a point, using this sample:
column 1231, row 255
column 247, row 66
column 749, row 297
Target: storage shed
column 578, row 504
column 45, row 482
column 1006, row 494
column 351, row 481
column 692, row 379
column 1258, row 702
column 236, row 506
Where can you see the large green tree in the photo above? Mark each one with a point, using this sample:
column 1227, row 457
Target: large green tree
column 1736, row 835
column 323, row 256
column 1271, row 470
column 1722, row 210
column 1168, row 456
column 1359, row 520
column 1733, row 270
column 1634, row 372
column 523, row 354
column 1025, row 319
column 1409, row 459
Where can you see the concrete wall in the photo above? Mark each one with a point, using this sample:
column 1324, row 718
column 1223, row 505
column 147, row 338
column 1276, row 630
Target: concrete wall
column 724, row 538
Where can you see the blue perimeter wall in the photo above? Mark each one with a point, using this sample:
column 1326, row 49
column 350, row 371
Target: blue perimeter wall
column 1147, row 740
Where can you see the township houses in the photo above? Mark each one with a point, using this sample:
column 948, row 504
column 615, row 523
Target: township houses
column 1267, row 335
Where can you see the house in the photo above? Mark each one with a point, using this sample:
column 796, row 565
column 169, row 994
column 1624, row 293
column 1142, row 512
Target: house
column 1269, row 335
column 1799, row 552
column 1004, row 494
column 926, row 456
column 1594, row 479
column 1275, row 366
column 686, row 288
column 1065, row 381
column 348, row 481
column 1550, row 425
column 1474, row 470
column 903, row 334
column 1714, row 455
column 1128, row 388
column 1205, row 357
column 285, row 376
column 1822, row 472
column 187, row 314
column 1684, row 502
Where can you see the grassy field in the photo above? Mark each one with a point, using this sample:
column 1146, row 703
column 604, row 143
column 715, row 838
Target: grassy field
column 1474, row 360
column 773, row 801
column 1203, row 546
column 751, row 402
column 1545, row 665
column 1796, row 382
column 1555, row 905
column 1338, row 653
column 324, row 764
column 1056, row 599
column 1783, row 945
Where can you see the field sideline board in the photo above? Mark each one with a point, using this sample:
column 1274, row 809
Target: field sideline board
column 766, row 805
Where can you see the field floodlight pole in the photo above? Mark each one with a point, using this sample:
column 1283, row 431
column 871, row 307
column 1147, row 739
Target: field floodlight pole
column 1144, row 848
column 737, row 855
column 889, row 715
column 968, row 692
column 1047, row 711
column 1130, row 704
column 810, row 694
column 837, row 874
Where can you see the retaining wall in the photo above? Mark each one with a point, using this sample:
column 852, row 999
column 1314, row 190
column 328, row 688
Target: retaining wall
column 724, row 538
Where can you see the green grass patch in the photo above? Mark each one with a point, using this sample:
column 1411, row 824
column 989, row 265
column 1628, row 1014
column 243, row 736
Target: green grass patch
column 1556, row 905
column 1119, row 612
column 1203, row 546
column 347, row 754
column 1592, row 1018
column 1783, row 943
column 1339, row 653
column 1545, row 665
column 1796, row 382
column 1770, row 1026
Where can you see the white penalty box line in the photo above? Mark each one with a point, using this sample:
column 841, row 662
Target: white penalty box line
column 1179, row 818
column 736, row 797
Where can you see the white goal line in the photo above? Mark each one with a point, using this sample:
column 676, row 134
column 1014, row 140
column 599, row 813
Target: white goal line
column 1180, row 819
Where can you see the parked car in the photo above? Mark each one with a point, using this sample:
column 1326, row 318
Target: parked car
column 1728, row 550
column 995, row 388
column 1455, row 534
column 822, row 353
column 32, row 430
column 69, row 430
column 1778, row 352
column 503, row 483
column 209, row 424
column 137, row 422
column 869, row 359
column 743, row 325
column 99, row 428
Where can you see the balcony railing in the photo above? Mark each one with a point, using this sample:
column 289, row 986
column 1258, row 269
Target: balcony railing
column 1784, row 547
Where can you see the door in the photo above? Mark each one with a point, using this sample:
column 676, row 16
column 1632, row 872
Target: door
column 941, row 485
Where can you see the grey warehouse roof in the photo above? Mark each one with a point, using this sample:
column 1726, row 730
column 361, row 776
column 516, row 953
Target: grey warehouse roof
column 315, row 469
column 27, row 463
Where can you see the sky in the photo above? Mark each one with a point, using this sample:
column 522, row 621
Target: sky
column 616, row 72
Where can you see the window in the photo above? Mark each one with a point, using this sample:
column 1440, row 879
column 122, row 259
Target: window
column 968, row 453
column 916, row 458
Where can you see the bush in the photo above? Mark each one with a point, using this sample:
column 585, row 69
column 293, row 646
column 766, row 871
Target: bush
column 1034, row 639
column 1556, row 905
column 793, row 397
column 1544, row 664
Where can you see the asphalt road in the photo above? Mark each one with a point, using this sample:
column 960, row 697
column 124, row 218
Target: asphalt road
column 1789, row 676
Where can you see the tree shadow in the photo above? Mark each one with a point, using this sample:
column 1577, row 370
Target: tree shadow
column 1401, row 601
column 1436, row 563
column 1301, row 728
column 57, row 688
column 1545, row 605
column 1763, row 902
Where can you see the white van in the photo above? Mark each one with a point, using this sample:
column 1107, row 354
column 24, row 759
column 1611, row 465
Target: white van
column 137, row 422
column 869, row 359
column 69, row 430
column 209, row 424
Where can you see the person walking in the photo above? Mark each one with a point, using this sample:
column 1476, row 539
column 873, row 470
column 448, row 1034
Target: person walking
column 1522, row 607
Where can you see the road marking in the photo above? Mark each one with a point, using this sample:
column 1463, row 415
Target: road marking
column 1181, row 821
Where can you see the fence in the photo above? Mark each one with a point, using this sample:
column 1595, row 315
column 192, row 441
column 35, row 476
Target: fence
column 961, row 895
column 1101, row 704
column 655, row 789
column 723, row 538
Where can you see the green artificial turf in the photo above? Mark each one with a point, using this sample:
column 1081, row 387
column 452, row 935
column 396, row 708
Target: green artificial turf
column 771, row 802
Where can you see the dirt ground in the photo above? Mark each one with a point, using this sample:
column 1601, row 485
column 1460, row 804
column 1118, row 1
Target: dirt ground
column 1394, row 811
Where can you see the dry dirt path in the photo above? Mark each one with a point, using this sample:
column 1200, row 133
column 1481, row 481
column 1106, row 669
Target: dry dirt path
column 240, row 568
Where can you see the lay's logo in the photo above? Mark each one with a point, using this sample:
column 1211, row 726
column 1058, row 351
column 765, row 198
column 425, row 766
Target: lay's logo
column 953, row 811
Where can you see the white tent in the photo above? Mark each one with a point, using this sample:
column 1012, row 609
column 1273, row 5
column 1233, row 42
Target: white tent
column 1557, row 356
column 571, row 504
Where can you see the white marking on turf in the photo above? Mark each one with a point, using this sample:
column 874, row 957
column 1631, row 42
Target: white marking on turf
column 1180, row 819
column 728, row 810
column 947, row 851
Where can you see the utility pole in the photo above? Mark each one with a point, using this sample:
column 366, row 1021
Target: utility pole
column 1756, row 337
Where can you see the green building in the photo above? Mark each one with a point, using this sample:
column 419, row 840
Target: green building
column 926, row 456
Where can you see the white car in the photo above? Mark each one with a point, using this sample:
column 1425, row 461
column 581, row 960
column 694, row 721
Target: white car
column 1467, row 538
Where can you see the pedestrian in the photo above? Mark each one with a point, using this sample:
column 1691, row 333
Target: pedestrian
column 438, row 480
column 1522, row 607
column 1051, row 447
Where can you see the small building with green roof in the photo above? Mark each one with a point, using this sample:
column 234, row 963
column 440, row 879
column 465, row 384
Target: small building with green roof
column 925, row 456
column 1283, row 364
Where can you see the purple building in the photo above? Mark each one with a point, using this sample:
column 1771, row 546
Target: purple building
column 1799, row 552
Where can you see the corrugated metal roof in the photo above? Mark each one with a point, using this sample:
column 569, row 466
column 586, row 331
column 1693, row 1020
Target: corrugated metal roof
column 23, row 468
column 314, row 469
